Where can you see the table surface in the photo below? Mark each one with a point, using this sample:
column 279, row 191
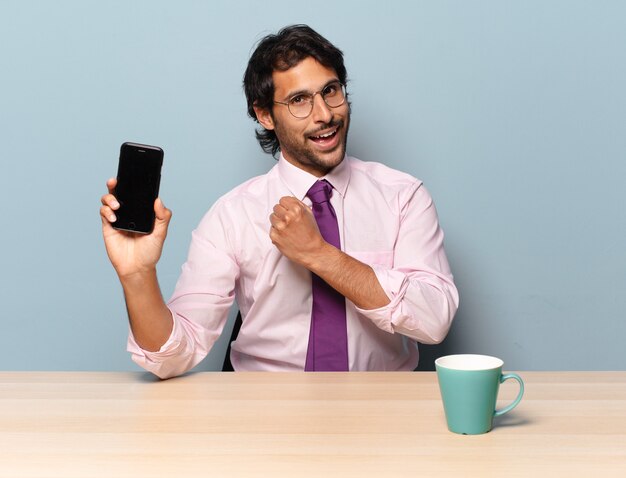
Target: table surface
column 93, row 424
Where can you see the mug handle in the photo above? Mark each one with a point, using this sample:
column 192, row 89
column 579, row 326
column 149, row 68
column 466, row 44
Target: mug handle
column 497, row 413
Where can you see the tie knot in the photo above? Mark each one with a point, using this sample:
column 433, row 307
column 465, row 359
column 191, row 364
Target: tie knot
column 320, row 192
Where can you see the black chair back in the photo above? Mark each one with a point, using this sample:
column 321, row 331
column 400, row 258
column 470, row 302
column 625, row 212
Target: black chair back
column 228, row 366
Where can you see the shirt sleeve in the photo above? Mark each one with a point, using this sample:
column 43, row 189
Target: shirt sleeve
column 202, row 298
column 420, row 286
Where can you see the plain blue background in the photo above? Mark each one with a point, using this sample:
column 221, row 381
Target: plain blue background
column 512, row 113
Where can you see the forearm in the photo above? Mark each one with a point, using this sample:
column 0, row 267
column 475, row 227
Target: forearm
column 150, row 319
column 351, row 278
column 424, row 304
column 422, row 307
column 295, row 233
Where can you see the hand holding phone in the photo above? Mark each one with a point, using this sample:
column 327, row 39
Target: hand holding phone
column 129, row 252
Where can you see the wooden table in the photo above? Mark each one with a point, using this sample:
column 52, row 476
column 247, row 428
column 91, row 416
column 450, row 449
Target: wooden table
column 296, row 424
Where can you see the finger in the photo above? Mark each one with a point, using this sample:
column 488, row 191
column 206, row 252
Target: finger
column 293, row 207
column 289, row 202
column 110, row 200
column 107, row 215
column 274, row 236
column 287, row 216
column 275, row 220
column 277, row 223
column 111, row 183
column 279, row 210
column 106, row 224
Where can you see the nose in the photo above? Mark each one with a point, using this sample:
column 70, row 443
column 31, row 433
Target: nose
column 321, row 111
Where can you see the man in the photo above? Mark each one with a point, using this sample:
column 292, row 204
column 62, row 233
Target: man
column 335, row 263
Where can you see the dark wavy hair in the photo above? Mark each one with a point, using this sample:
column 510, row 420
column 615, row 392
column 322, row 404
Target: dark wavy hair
column 280, row 52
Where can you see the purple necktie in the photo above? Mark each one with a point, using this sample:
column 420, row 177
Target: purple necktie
column 328, row 339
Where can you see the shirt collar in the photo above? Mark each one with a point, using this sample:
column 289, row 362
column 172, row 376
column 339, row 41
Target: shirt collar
column 299, row 181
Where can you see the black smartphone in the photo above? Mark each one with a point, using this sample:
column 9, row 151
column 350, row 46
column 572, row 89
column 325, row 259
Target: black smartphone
column 138, row 180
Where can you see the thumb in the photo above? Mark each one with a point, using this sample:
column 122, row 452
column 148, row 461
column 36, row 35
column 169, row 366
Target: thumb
column 162, row 213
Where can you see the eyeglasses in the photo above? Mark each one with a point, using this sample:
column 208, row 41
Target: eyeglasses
column 301, row 105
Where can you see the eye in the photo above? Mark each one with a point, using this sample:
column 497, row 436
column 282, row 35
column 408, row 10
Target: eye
column 299, row 100
column 331, row 89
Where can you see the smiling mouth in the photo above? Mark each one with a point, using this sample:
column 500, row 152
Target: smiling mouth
column 325, row 137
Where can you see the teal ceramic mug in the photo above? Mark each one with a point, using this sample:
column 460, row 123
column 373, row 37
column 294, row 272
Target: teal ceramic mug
column 469, row 388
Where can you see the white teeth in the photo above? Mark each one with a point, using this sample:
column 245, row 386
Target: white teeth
column 326, row 135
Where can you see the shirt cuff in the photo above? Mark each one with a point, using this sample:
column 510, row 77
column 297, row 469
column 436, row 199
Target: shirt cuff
column 394, row 283
column 171, row 347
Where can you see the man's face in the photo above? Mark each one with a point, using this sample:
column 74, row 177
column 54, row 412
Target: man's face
column 316, row 143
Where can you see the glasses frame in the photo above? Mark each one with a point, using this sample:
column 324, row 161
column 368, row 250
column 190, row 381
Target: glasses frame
column 312, row 100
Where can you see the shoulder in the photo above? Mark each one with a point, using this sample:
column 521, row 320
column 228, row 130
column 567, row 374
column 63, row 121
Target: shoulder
column 244, row 204
column 251, row 192
column 236, row 214
column 382, row 177
column 380, row 173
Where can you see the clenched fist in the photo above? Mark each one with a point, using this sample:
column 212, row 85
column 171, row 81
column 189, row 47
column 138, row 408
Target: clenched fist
column 295, row 233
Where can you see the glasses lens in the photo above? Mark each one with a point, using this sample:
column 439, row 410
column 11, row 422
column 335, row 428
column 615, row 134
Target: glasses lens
column 334, row 95
column 301, row 106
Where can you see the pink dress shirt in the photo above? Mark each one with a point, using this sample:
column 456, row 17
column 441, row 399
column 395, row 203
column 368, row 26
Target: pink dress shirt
column 387, row 220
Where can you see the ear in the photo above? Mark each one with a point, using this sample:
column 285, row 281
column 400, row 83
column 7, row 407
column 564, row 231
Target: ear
column 264, row 116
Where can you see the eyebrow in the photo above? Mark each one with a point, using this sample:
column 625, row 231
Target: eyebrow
column 308, row 92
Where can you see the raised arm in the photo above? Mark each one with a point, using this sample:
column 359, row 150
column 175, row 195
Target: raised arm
column 134, row 257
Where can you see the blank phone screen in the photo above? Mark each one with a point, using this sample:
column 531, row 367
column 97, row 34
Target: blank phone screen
column 138, row 178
